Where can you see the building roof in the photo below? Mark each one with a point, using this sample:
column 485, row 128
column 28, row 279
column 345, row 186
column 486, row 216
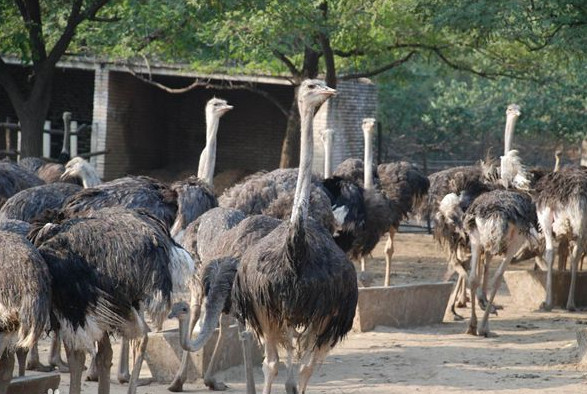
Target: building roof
column 156, row 68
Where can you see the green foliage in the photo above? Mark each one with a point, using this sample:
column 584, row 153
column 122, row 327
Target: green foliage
column 473, row 56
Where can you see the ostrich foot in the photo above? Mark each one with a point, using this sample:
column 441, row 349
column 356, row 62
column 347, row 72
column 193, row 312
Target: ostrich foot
column 212, row 384
column 492, row 308
column 37, row 366
column 471, row 330
column 61, row 365
column 176, row 386
column 488, row 334
column 123, row 377
column 457, row 317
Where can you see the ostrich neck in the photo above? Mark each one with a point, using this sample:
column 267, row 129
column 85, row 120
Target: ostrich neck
column 184, row 335
column 328, row 157
column 302, row 193
column 510, row 125
column 208, row 156
column 557, row 164
column 66, row 133
column 368, row 161
column 90, row 178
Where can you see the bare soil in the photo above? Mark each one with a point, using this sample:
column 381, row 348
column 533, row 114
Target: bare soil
column 532, row 352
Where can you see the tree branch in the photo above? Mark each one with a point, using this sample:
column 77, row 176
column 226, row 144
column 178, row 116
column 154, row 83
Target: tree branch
column 483, row 74
column 206, row 84
column 31, row 15
column 379, row 70
column 288, row 63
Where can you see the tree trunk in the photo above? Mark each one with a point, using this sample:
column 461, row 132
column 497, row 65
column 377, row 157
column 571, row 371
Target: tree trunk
column 31, row 126
column 290, row 149
column 31, row 115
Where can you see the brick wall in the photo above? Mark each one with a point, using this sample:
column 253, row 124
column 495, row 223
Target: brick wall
column 344, row 114
column 151, row 131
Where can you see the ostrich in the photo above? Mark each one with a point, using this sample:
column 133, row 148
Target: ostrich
column 296, row 281
column 29, row 203
column 196, row 194
column 15, row 226
column 217, row 239
column 481, row 177
column 391, row 190
column 14, row 178
column 497, row 222
column 103, row 269
column 25, row 300
column 561, row 201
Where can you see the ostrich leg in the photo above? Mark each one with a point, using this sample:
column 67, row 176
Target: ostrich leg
column 21, row 357
column 307, row 369
column 33, row 362
column 271, row 363
column 575, row 257
column 209, row 379
column 55, row 359
column 123, row 372
column 290, row 383
column 136, row 369
column 103, row 364
column 182, row 373
column 6, row 367
column 545, row 219
column 247, row 341
column 473, row 284
column 76, row 360
column 515, row 244
column 388, row 255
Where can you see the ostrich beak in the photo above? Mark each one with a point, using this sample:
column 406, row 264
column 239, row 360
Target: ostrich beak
column 66, row 174
column 328, row 91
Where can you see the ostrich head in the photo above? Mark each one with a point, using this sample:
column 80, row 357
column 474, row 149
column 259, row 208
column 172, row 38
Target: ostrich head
column 313, row 92
column 368, row 126
column 216, row 107
column 180, row 310
column 80, row 168
column 513, row 110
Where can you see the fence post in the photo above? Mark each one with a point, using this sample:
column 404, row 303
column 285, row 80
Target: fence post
column 18, row 144
column 73, row 139
column 46, row 139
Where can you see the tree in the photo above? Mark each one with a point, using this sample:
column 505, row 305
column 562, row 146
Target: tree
column 26, row 22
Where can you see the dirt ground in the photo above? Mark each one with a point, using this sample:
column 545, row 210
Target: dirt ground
column 532, row 352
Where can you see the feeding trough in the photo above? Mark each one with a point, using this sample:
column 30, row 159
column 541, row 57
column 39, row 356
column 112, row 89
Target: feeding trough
column 41, row 383
column 528, row 288
column 164, row 354
column 402, row 306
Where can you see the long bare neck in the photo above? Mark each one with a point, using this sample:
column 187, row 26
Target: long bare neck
column 327, row 155
column 209, row 153
column 90, row 177
column 302, row 193
column 66, row 132
column 368, row 161
column 510, row 125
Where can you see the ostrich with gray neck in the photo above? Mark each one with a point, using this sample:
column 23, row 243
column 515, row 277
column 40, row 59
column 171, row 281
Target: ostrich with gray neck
column 296, row 282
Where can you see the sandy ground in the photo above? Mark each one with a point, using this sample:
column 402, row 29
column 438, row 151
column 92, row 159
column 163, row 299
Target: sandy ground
column 533, row 351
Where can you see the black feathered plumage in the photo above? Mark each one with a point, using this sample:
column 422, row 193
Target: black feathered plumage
column 128, row 192
column 28, row 204
column 25, row 292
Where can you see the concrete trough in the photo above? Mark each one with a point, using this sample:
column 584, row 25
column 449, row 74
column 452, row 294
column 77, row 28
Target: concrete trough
column 164, row 354
column 528, row 288
column 33, row 384
column 401, row 306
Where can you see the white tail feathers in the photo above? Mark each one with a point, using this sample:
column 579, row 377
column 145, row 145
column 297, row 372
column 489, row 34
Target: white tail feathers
column 513, row 173
column 449, row 206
